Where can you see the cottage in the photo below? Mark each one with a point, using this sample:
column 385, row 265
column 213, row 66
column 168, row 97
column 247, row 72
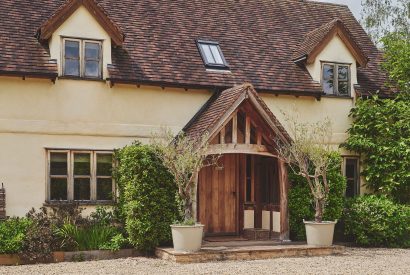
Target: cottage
column 79, row 78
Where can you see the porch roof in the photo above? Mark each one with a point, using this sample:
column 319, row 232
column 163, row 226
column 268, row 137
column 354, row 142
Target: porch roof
column 221, row 105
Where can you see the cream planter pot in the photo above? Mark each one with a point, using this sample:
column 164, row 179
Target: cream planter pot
column 319, row 234
column 187, row 238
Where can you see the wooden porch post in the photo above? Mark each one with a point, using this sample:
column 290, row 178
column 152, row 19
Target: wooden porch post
column 284, row 211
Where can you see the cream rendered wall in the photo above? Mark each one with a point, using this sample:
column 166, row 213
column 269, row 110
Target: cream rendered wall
column 81, row 24
column 76, row 114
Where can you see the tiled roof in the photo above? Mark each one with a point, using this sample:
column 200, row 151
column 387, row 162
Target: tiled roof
column 213, row 111
column 258, row 39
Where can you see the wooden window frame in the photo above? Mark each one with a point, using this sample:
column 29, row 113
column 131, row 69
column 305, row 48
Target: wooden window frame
column 358, row 183
column 70, row 177
column 82, row 60
column 336, row 78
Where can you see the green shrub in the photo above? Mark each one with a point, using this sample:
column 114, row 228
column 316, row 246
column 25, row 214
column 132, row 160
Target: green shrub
column 301, row 204
column 378, row 221
column 41, row 240
column 146, row 196
column 12, row 234
column 86, row 237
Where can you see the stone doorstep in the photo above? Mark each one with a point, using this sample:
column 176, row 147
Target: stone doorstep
column 247, row 253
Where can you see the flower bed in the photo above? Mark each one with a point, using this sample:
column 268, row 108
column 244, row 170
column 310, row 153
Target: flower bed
column 73, row 256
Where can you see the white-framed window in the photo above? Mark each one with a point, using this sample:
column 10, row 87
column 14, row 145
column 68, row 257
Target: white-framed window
column 336, row 79
column 80, row 175
column 351, row 171
column 82, row 58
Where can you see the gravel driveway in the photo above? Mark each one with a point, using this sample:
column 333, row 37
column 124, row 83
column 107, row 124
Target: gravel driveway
column 354, row 261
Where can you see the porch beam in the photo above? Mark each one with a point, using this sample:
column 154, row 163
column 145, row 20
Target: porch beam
column 235, row 128
column 230, row 148
column 222, row 135
column 248, row 130
column 284, row 210
column 259, row 138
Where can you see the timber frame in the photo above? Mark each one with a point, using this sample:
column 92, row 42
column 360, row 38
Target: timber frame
column 239, row 125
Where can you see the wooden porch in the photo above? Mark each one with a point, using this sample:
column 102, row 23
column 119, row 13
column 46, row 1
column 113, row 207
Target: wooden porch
column 246, row 194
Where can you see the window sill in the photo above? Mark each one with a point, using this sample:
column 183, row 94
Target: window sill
column 81, row 78
column 338, row 96
column 81, row 203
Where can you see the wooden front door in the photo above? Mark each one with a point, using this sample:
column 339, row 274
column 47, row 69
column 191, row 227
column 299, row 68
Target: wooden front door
column 218, row 196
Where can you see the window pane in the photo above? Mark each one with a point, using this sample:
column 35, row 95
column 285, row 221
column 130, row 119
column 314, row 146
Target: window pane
column 104, row 189
column 92, row 51
column 82, row 164
column 343, row 72
column 327, row 72
column 72, row 49
column 208, row 55
column 81, row 189
column 216, row 54
column 58, row 164
column 328, row 87
column 92, row 68
column 343, row 88
column 104, row 164
column 352, row 175
column 58, row 189
column 72, row 67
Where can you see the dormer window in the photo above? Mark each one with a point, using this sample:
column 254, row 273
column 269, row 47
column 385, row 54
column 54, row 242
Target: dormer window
column 82, row 58
column 212, row 55
column 336, row 79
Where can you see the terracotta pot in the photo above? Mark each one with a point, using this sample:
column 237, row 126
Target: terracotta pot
column 320, row 234
column 187, row 238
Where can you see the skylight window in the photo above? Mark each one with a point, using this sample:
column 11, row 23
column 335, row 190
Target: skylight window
column 212, row 55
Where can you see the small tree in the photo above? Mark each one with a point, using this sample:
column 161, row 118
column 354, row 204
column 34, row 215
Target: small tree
column 309, row 155
column 184, row 157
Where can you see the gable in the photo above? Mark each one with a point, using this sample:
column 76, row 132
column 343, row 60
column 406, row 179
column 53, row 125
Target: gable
column 75, row 9
column 237, row 116
column 81, row 24
column 335, row 52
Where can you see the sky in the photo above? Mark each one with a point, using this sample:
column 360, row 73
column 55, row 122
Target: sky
column 354, row 5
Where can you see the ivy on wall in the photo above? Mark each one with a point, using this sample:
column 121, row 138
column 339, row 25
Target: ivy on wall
column 381, row 133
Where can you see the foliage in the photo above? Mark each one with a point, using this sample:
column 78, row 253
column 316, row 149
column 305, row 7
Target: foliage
column 308, row 155
column 40, row 240
column 378, row 221
column 184, row 157
column 381, row 17
column 12, row 233
column 381, row 133
column 300, row 201
column 396, row 48
column 116, row 243
column 103, row 216
column 146, row 196
column 88, row 237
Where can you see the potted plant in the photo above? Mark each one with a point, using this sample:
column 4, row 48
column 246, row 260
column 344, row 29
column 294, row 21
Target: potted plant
column 309, row 155
column 184, row 157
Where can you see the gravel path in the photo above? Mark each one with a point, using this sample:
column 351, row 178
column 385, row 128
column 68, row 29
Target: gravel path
column 354, row 261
